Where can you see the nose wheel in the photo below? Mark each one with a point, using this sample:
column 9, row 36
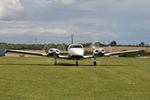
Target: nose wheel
column 77, row 62
column 94, row 63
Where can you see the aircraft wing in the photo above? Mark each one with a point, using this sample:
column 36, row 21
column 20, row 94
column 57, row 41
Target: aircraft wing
column 123, row 52
column 25, row 52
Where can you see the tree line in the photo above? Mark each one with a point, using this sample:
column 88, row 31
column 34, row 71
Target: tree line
column 62, row 46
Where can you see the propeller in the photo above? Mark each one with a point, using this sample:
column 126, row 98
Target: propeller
column 62, row 47
column 98, row 50
column 49, row 47
column 95, row 45
column 46, row 47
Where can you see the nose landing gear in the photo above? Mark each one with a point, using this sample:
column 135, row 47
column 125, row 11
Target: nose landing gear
column 77, row 62
column 94, row 63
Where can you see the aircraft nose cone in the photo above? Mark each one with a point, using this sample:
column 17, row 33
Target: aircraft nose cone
column 78, row 52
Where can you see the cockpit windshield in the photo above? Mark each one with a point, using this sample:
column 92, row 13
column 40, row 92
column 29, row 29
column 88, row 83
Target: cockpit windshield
column 75, row 46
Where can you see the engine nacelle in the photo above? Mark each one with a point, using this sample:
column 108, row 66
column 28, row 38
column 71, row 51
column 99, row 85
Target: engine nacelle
column 99, row 51
column 53, row 51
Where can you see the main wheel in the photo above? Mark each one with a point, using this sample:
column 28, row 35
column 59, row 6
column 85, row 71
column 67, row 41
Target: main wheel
column 94, row 63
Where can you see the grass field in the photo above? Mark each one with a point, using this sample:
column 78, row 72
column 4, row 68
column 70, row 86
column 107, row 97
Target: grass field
column 35, row 78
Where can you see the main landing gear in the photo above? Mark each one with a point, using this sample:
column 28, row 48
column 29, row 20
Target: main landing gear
column 94, row 63
column 55, row 59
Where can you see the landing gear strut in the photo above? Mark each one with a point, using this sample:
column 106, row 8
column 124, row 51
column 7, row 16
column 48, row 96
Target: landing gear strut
column 55, row 62
column 94, row 63
column 77, row 62
column 55, row 59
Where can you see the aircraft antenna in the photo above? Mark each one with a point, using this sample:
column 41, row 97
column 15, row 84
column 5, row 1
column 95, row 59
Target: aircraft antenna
column 72, row 38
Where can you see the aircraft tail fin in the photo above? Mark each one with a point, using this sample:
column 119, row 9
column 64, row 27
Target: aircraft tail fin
column 72, row 38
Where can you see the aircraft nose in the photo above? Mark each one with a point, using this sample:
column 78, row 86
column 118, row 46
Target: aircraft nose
column 79, row 53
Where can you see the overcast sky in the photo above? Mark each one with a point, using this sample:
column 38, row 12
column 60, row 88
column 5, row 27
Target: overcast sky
column 52, row 21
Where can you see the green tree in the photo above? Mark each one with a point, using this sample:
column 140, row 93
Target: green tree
column 113, row 43
column 142, row 44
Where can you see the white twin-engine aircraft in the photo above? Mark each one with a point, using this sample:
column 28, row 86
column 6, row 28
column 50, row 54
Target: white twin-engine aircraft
column 75, row 52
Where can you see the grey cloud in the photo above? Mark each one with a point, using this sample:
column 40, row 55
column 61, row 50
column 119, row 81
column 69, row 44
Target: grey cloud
column 10, row 9
column 119, row 20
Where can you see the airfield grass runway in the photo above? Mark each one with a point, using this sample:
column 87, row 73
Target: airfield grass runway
column 34, row 78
